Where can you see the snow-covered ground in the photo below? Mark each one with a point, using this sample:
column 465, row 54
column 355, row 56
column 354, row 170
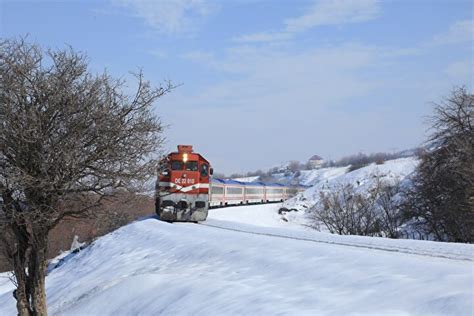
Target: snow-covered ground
column 260, row 215
column 155, row 268
column 5, row 284
column 262, row 219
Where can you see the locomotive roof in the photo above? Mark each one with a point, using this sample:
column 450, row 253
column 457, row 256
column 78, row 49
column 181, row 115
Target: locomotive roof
column 192, row 153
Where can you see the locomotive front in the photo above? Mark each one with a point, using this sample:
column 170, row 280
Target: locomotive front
column 182, row 189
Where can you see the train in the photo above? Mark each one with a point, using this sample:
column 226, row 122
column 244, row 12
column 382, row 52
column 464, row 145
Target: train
column 185, row 189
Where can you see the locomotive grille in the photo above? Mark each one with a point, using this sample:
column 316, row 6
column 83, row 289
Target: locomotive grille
column 182, row 205
column 167, row 203
column 200, row 204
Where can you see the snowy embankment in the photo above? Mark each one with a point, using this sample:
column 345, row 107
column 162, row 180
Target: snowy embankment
column 5, row 284
column 265, row 220
column 259, row 215
column 151, row 267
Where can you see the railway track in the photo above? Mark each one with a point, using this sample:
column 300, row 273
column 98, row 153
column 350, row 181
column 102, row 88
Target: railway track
column 395, row 249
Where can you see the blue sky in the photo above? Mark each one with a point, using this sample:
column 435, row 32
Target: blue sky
column 269, row 81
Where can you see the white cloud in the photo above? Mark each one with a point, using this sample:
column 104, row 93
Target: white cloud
column 168, row 16
column 459, row 32
column 333, row 12
column 263, row 37
column 266, row 61
column 198, row 56
column 274, row 84
column 322, row 12
column 461, row 71
column 160, row 54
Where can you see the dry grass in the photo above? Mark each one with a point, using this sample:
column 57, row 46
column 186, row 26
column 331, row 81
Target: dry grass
column 113, row 214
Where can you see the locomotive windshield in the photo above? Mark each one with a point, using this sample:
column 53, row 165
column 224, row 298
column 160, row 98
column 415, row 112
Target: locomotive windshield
column 204, row 170
column 176, row 165
column 191, row 166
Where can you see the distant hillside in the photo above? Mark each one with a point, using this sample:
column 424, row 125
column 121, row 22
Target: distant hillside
column 361, row 178
column 298, row 173
column 247, row 179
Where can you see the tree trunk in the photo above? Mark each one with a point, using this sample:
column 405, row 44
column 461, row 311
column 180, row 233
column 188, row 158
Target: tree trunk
column 37, row 274
column 21, row 295
column 38, row 278
column 30, row 271
column 20, row 252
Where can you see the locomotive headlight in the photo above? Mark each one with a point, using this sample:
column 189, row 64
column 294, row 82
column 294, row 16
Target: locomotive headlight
column 185, row 157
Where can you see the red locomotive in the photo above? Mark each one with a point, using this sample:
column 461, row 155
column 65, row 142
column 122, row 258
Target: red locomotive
column 183, row 188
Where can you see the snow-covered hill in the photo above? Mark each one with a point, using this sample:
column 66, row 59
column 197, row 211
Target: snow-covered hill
column 361, row 178
column 308, row 177
column 247, row 179
column 155, row 268
column 312, row 177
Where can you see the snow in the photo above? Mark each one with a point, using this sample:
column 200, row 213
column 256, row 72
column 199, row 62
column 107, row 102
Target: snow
column 308, row 177
column 312, row 177
column 265, row 215
column 361, row 178
column 247, row 179
column 151, row 267
column 261, row 219
column 5, row 285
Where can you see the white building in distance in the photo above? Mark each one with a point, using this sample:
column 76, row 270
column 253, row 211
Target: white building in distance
column 316, row 162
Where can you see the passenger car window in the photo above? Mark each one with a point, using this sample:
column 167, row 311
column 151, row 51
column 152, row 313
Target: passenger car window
column 204, row 170
column 192, row 166
column 176, row 165
column 217, row 190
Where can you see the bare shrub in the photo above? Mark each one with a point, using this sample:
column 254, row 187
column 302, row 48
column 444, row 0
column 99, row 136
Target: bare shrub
column 295, row 166
column 360, row 160
column 389, row 201
column 345, row 210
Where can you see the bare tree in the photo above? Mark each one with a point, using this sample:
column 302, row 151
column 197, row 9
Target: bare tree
column 67, row 137
column 294, row 166
column 361, row 160
column 389, row 199
column 346, row 210
column 442, row 197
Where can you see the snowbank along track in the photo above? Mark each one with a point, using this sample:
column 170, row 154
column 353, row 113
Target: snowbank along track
column 450, row 256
